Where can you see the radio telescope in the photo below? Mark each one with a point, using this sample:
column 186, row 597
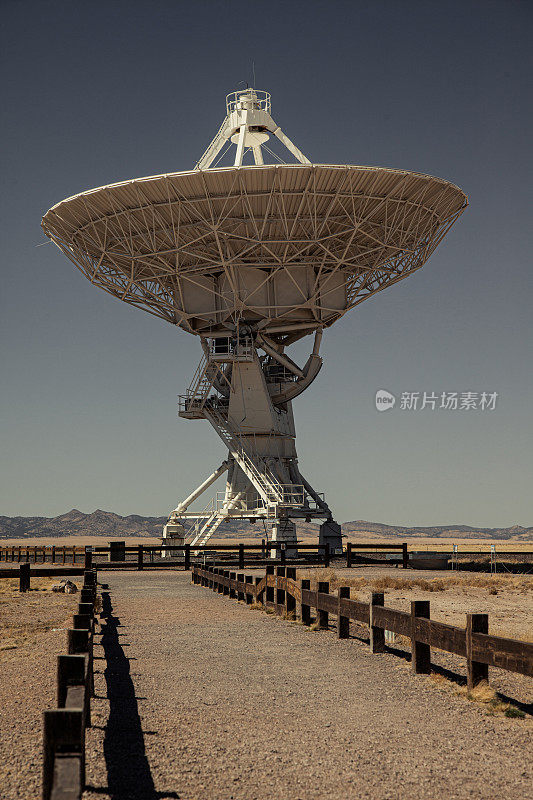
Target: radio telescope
column 251, row 258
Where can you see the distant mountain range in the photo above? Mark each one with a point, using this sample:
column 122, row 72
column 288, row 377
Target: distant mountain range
column 113, row 526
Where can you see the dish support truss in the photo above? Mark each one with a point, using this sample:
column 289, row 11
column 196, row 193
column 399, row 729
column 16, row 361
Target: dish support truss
column 246, row 397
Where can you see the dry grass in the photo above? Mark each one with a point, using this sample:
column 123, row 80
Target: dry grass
column 26, row 617
column 494, row 583
column 9, row 587
column 483, row 694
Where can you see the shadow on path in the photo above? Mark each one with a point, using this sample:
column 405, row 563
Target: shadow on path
column 128, row 770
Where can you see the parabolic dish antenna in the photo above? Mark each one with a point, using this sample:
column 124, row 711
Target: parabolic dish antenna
column 252, row 258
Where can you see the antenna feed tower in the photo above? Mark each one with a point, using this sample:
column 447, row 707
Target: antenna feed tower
column 248, row 124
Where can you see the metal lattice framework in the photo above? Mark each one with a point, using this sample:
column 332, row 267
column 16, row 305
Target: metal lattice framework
column 288, row 247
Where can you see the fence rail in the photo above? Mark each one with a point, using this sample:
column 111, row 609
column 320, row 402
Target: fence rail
column 279, row 591
column 118, row 554
column 64, row 727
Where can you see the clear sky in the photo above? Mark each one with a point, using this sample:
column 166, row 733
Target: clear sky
column 103, row 91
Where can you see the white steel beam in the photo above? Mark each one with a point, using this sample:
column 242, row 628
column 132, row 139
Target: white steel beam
column 240, row 144
column 183, row 506
column 290, row 146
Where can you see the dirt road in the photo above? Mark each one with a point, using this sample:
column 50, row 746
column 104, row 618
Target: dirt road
column 201, row 697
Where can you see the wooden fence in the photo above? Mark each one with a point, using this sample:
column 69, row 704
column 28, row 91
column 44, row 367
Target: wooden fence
column 25, row 572
column 279, row 591
column 118, row 555
column 56, row 554
column 64, row 727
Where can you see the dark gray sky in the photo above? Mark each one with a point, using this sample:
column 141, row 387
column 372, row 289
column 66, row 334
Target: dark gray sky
column 104, row 91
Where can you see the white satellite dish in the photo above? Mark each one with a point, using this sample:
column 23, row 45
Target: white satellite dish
column 251, row 259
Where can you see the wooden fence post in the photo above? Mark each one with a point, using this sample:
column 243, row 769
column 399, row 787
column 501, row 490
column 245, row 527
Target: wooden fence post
column 87, row 596
column 475, row 670
column 290, row 600
column 70, row 672
column 405, row 556
column 220, row 587
column 77, row 641
column 89, row 578
column 349, row 554
column 343, row 623
column 63, row 731
column 326, row 554
column 140, row 557
column 232, row 577
column 420, row 652
column 241, row 556
column 263, row 549
column 24, row 578
column 240, row 593
column 85, row 608
column 377, row 635
column 305, row 609
column 88, row 558
column 187, row 557
column 257, row 580
column 82, row 622
column 225, row 589
column 248, row 596
column 53, row 554
column 73, row 671
column 322, row 617
column 269, row 590
column 280, row 593
column 283, row 553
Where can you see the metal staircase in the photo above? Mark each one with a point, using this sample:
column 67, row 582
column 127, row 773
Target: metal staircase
column 214, row 521
column 264, row 481
column 192, row 403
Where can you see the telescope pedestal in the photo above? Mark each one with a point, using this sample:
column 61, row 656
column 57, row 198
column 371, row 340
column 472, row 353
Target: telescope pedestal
column 247, row 399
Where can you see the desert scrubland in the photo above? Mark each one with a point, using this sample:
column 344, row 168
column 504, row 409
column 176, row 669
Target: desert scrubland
column 419, row 543
column 32, row 635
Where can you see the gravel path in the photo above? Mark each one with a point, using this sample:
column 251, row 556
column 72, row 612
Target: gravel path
column 201, row 697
